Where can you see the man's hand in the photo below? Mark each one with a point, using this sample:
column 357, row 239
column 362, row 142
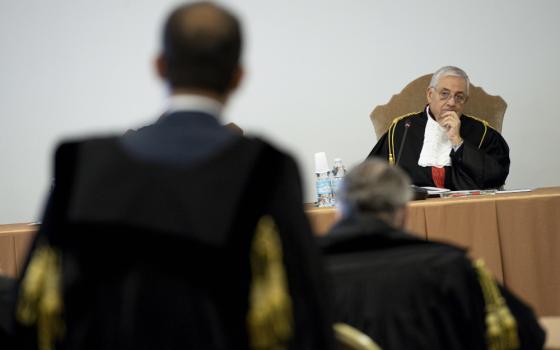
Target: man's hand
column 451, row 122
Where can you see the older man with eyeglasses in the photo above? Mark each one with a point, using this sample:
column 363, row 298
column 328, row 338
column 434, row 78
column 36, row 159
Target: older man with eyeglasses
column 442, row 147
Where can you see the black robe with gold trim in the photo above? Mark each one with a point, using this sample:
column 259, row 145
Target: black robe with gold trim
column 482, row 162
column 408, row 293
column 165, row 255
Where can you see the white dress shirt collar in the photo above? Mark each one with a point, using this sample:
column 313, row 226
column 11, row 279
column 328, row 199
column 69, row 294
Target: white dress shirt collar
column 194, row 103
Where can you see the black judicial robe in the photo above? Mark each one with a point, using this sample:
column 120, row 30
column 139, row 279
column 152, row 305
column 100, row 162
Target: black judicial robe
column 408, row 293
column 482, row 162
column 155, row 255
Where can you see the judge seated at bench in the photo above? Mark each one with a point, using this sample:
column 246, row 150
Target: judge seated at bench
column 409, row 293
column 444, row 147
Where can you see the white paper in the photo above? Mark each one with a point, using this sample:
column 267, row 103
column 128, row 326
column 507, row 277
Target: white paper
column 516, row 190
column 435, row 190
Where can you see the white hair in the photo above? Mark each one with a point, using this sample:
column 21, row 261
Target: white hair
column 374, row 186
column 449, row 71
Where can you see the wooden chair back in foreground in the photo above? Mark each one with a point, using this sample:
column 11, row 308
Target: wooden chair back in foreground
column 235, row 128
column 413, row 98
column 552, row 326
column 350, row 338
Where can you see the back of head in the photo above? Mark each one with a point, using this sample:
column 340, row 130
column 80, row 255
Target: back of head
column 201, row 47
column 375, row 187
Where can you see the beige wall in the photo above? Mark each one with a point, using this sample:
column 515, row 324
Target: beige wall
column 315, row 71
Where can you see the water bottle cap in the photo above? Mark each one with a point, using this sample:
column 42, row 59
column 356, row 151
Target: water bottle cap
column 321, row 164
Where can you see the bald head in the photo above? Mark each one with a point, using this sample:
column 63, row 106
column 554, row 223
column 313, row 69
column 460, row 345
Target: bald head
column 201, row 48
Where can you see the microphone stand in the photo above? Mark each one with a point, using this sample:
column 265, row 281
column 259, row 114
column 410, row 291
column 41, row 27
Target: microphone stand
column 406, row 126
column 419, row 192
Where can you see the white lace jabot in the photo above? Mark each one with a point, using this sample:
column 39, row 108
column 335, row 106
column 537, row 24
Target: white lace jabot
column 436, row 147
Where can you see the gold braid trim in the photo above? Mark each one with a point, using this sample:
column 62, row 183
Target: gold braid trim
column 391, row 135
column 270, row 318
column 40, row 298
column 391, row 143
column 501, row 327
column 484, row 123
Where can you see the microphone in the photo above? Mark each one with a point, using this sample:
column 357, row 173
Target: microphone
column 419, row 193
column 406, row 126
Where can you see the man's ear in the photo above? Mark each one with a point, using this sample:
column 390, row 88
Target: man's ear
column 160, row 67
column 236, row 78
column 429, row 94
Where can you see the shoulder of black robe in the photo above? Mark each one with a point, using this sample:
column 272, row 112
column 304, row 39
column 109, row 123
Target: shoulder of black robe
column 174, row 270
column 389, row 147
column 56, row 205
column 408, row 293
column 384, row 148
column 381, row 148
column 404, row 292
column 482, row 162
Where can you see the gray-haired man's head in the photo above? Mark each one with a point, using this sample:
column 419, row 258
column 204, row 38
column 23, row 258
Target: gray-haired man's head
column 449, row 71
column 375, row 187
column 448, row 92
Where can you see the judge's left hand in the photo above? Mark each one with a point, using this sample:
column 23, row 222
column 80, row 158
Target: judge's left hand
column 451, row 122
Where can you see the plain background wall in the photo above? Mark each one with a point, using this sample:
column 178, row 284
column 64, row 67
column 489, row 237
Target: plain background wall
column 315, row 70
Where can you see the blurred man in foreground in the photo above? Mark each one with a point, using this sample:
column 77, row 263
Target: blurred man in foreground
column 181, row 235
column 444, row 147
column 408, row 293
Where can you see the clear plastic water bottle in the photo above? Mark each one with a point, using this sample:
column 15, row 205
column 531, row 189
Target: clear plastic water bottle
column 338, row 173
column 323, row 181
column 323, row 185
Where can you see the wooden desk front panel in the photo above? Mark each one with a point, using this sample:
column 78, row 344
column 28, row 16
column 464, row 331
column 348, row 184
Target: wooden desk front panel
column 518, row 235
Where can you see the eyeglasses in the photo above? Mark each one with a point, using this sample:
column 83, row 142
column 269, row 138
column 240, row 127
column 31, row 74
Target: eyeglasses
column 445, row 95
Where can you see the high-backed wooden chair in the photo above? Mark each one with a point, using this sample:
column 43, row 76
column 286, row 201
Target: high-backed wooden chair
column 413, row 98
